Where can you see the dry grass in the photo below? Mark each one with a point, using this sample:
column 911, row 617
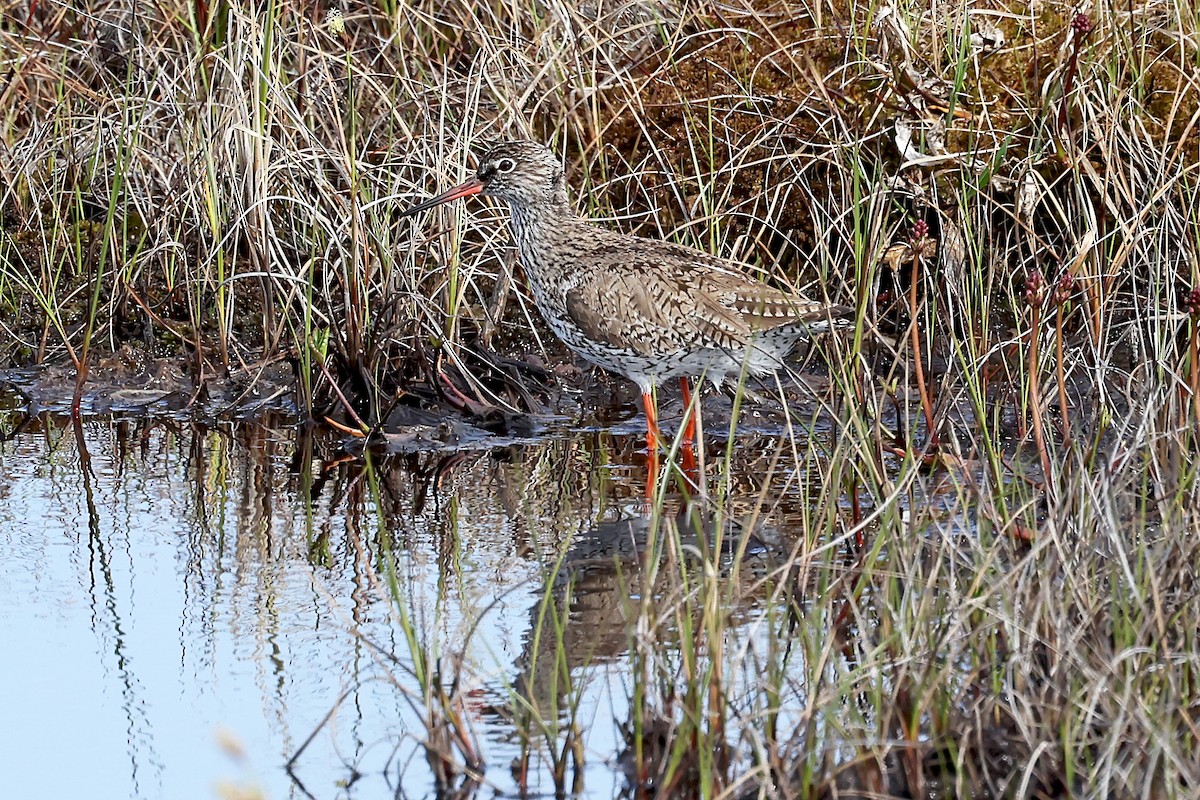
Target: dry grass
column 222, row 182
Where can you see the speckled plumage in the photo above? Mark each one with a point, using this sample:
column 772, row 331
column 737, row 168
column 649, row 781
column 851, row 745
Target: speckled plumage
column 646, row 309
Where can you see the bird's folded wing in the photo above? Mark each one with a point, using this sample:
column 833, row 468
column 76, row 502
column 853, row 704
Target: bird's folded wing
column 761, row 307
column 642, row 312
column 768, row 308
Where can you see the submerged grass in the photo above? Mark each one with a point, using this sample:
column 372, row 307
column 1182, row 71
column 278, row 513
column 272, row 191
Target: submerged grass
column 991, row 589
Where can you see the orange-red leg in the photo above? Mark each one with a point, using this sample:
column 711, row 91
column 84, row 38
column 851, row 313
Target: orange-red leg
column 688, row 446
column 651, row 446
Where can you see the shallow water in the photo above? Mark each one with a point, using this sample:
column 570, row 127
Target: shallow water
column 183, row 606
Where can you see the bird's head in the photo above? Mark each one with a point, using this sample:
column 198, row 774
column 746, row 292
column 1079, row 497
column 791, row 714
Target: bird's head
column 523, row 173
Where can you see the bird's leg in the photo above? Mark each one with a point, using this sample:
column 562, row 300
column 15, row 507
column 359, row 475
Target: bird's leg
column 652, row 431
column 651, row 446
column 688, row 445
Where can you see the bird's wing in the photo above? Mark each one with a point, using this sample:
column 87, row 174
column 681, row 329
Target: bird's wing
column 762, row 307
column 660, row 297
column 641, row 308
column 756, row 305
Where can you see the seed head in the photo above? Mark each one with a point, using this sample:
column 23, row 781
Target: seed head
column 1191, row 303
column 920, row 230
column 1064, row 289
column 1035, row 288
column 919, row 241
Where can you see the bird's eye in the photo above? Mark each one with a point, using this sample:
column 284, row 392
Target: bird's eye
column 506, row 165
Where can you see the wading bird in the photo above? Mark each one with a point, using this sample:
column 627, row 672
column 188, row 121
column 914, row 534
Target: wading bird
column 643, row 308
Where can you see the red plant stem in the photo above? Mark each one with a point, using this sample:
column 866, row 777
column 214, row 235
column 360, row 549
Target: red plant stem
column 1193, row 353
column 926, row 405
column 1035, row 402
column 1068, row 85
column 1062, row 379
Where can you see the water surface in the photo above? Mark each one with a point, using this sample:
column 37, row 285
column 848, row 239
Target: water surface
column 183, row 606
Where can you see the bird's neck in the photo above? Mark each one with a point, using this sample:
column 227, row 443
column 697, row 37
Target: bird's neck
column 539, row 215
column 537, row 227
column 546, row 235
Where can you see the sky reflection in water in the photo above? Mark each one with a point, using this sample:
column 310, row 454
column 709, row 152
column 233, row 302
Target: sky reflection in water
column 171, row 595
column 187, row 592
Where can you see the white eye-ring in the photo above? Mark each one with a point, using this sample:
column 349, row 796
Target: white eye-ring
column 506, row 165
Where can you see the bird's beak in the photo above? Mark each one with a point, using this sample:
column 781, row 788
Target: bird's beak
column 473, row 186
